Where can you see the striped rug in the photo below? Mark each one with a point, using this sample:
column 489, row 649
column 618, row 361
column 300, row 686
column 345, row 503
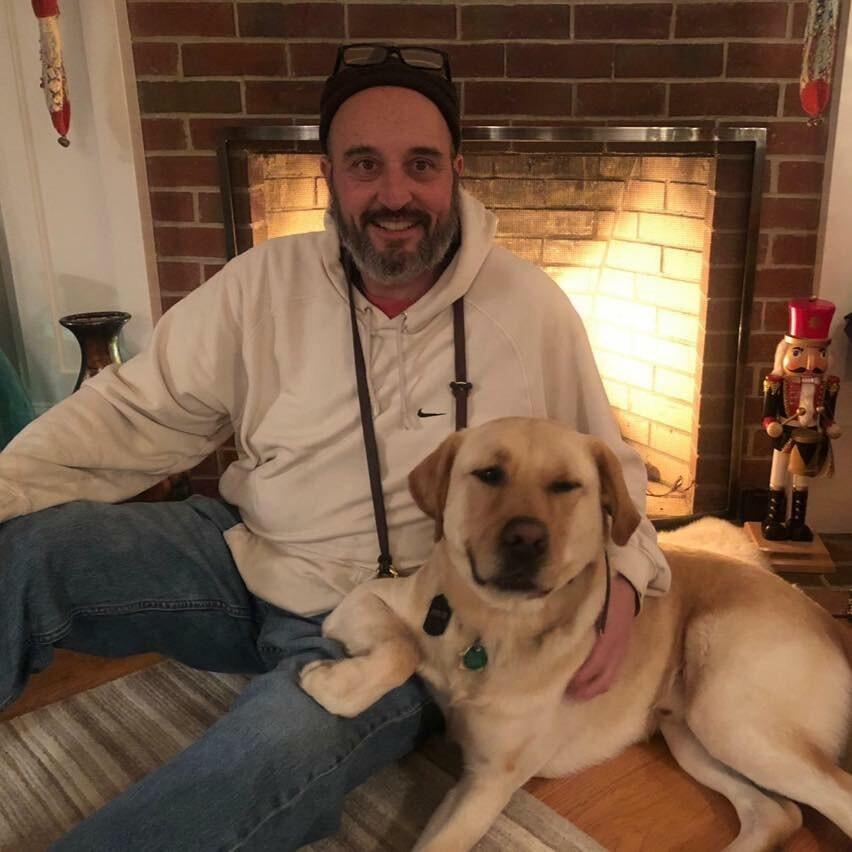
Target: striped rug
column 62, row 762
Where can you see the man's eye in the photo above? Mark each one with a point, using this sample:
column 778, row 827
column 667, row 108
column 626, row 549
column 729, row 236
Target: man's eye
column 562, row 486
column 364, row 165
column 422, row 165
column 490, row 475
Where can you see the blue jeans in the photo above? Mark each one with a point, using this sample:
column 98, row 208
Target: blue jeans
column 140, row 577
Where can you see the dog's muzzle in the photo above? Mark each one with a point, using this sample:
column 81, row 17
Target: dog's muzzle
column 523, row 545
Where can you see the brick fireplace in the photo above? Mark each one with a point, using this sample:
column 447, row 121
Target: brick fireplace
column 202, row 66
column 655, row 250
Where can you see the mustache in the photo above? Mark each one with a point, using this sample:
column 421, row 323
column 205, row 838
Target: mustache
column 411, row 214
column 816, row 370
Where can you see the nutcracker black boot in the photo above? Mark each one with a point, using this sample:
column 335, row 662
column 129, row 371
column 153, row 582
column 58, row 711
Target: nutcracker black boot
column 796, row 526
column 773, row 526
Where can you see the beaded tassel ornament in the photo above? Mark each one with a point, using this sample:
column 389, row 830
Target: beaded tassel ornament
column 818, row 58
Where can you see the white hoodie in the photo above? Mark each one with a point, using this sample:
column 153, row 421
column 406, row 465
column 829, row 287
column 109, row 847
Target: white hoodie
column 264, row 348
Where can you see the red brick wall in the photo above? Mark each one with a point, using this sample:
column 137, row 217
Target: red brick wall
column 202, row 65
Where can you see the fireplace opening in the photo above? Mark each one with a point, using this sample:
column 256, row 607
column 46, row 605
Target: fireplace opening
column 650, row 232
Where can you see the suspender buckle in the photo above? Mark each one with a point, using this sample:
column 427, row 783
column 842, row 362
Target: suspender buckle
column 386, row 568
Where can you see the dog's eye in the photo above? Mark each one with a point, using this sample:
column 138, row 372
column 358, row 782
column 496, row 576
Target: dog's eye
column 490, row 475
column 561, row 486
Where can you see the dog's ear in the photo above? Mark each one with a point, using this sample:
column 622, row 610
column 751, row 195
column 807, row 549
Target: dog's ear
column 615, row 498
column 430, row 481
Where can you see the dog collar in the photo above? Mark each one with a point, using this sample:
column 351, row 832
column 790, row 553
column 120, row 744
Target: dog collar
column 474, row 657
column 600, row 624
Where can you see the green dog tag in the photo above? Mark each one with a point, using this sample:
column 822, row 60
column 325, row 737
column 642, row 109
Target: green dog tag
column 475, row 657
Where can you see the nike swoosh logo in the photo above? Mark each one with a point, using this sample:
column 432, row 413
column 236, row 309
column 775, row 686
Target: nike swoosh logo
column 422, row 413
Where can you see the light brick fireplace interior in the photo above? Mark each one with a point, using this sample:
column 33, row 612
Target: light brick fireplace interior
column 628, row 237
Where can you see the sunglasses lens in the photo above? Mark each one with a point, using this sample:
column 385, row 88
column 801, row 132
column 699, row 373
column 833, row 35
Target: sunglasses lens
column 422, row 58
column 364, row 54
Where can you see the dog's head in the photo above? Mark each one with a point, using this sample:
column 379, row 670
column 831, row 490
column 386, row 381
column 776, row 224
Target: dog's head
column 522, row 503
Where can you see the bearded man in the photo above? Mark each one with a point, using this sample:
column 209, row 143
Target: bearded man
column 311, row 349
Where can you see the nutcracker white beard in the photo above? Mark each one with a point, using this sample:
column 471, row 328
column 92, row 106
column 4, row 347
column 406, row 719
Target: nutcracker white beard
column 806, row 403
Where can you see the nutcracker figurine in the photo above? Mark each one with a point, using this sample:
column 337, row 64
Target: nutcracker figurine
column 798, row 414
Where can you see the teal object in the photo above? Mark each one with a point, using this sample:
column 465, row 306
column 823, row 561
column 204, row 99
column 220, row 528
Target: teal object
column 15, row 408
column 475, row 657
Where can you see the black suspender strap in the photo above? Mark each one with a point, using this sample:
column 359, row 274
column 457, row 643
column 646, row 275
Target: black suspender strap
column 461, row 387
column 386, row 568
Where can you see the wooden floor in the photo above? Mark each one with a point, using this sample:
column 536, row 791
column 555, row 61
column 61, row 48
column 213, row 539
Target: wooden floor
column 69, row 674
column 638, row 802
column 643, row 802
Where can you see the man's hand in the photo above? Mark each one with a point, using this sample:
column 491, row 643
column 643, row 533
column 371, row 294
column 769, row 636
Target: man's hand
column 597, row 674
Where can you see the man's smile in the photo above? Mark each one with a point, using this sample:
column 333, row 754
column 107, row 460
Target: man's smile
column 397, row 227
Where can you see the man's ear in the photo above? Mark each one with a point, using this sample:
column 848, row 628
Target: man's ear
column 615, row 498
column 430, row 481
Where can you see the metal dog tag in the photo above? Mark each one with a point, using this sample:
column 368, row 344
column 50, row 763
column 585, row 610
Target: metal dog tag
column 475, row 657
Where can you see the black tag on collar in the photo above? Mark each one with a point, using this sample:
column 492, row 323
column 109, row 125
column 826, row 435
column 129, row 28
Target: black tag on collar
column 438, row 616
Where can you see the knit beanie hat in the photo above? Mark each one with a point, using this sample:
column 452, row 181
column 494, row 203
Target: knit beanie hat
column 352, row 79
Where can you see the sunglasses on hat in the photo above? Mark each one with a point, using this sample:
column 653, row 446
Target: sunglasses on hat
column 417, row 56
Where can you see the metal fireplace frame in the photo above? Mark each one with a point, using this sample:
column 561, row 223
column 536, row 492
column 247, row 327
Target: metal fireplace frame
column 304, row 138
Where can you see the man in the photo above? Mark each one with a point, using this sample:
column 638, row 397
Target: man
column 265, row 349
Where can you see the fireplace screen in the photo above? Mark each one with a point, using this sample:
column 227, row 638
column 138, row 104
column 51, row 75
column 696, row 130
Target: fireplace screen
column 650, row 231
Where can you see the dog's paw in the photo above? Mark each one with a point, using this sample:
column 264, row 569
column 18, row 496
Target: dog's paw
column 310, row 667
column 329, row 683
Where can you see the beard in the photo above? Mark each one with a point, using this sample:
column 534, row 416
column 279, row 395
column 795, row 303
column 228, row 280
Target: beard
column 396, row 265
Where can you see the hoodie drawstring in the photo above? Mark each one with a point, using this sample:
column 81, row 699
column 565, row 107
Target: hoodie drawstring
column 367, row 345
column 403, row 378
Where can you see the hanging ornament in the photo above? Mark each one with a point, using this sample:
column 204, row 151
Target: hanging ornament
column 818, row 58
column 52, row 69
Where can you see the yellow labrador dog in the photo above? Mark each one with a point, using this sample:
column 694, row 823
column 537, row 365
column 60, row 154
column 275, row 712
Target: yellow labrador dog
column 749, row 682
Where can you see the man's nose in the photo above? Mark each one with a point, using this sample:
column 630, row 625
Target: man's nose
column 394, row 189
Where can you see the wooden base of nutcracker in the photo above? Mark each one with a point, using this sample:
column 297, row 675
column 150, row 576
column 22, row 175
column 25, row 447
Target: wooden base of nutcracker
column 793, row 557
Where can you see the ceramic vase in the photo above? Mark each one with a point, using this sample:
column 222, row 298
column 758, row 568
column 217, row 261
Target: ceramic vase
column 97, row 334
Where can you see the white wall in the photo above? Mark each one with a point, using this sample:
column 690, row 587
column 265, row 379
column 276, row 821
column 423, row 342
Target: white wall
column 75, row 220
column 830, row 500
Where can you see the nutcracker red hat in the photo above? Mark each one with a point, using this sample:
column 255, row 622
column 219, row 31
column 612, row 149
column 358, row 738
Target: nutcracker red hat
column 810, row 321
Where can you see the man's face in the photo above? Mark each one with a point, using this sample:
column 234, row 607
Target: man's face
column 800, row 360
column 393, row 183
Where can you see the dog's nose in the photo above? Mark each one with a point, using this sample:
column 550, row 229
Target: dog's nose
column 524, row 539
